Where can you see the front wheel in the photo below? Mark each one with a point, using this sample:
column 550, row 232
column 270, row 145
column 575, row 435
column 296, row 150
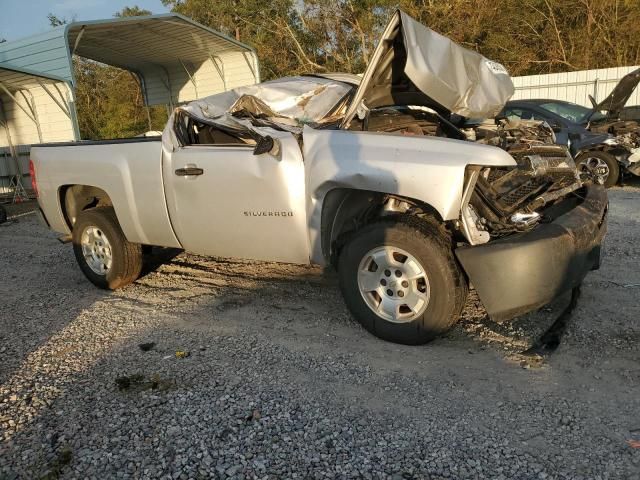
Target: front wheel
column 400, row 281
column 600, row 163
column 103, row 253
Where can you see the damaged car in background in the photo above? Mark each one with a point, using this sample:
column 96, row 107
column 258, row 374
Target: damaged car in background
column 368, row 175
column 599, row 139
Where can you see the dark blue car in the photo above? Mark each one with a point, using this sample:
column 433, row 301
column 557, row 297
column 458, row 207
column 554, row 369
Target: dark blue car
column 598, row 137
column 570, row 123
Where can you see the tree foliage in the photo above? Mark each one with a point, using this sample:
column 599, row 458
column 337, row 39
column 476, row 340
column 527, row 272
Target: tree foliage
column 527, row 36
column 303, row 36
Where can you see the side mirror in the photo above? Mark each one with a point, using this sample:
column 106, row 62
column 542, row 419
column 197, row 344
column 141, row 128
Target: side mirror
column 266, row 145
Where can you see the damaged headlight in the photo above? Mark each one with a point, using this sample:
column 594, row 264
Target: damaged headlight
column 525, row 219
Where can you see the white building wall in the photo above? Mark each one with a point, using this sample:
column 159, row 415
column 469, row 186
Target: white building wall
column 573, row 86
column 55, row 126
column 237, row 72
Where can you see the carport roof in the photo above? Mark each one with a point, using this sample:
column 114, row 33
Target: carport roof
column 15, row 79
column 131, row 43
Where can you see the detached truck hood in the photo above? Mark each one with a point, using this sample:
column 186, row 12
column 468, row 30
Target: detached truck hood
column 413, row 65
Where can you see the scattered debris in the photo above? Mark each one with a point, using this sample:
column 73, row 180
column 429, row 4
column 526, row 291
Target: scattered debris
column 182, row 354
column 124, row 383
column 633, row 443
column 145, row 347
column 550, row 340
column 255, row 415
column 529, row 361
column 137, row 382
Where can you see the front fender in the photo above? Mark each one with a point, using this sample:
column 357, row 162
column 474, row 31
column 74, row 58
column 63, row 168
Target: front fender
column 429, row 169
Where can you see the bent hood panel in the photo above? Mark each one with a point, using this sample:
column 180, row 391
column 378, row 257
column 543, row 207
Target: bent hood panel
column 621, row 93
column 412, row 59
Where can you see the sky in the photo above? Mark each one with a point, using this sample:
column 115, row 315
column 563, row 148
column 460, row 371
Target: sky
column 20, row 18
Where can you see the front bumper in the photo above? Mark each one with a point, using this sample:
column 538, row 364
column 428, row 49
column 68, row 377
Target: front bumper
column 523, row 272
column 634, row 168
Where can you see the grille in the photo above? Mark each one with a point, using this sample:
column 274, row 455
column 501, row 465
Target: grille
column 520, row 193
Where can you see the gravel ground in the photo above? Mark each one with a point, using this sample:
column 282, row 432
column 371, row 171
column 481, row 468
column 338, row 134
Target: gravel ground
column 280, row 382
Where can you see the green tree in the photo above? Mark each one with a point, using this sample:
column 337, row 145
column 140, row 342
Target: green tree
column 134, row 11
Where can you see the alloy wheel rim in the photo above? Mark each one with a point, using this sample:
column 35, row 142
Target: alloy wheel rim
column 96, row 250
column 393, row 284
column 594, row 164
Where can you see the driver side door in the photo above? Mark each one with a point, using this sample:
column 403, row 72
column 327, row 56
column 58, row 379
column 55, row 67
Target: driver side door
column 225, row 201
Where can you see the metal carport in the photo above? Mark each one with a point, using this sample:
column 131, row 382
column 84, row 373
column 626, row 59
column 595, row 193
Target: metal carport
column 34, row 108
column 176, row 59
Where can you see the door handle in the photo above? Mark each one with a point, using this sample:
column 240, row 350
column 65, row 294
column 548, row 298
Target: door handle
column 189, row 171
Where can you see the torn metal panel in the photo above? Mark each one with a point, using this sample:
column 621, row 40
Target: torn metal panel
column 285, row 104
column 412, row 64
column 428, row 169
column 304, row 99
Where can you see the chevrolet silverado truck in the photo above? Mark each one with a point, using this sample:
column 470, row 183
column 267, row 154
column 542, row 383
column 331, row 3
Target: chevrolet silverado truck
column 367, row 175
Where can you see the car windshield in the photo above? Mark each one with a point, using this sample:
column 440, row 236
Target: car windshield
column 571, row 111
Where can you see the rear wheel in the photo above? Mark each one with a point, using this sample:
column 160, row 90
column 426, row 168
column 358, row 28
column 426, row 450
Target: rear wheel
column 400, row 280
column 3, row 214
column 601, row 163
column 103, row 253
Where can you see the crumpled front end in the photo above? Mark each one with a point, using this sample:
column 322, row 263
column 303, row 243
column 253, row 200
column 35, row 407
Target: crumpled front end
column 502, row 201
column 522, row 272
column 633, row 162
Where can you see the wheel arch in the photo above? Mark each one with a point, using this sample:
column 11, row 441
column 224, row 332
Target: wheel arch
column 345, row 210
column 76, row 198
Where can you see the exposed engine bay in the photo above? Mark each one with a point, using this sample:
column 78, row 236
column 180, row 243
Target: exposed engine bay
column 503, row 200
column 625, row 132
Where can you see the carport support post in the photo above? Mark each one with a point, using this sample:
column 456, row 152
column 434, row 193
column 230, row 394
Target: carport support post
column 32, row 107
column 19, row 192
column 191, row 78
column 220, row 70
column 71, row 102
column 251, row 67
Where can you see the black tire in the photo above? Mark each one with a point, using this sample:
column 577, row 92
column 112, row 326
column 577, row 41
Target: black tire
column 610, row 160
column 3, row 214
column 126, row 256
column 429, row 244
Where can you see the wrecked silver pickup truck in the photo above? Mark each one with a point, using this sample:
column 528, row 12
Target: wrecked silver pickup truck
column 367, row 175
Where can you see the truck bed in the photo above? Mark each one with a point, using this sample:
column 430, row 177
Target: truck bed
column 128, row 170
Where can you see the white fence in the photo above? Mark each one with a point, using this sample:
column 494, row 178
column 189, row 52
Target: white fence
column 573, row 86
